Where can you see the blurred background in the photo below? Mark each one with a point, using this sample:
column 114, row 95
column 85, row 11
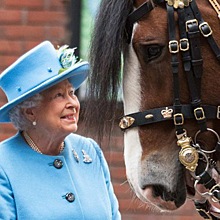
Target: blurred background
column 26, row 23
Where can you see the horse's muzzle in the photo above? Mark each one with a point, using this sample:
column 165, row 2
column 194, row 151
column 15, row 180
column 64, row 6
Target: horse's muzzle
column 163, row 199
column 177, row 197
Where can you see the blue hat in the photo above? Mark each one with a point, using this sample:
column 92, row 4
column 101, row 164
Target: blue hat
column 37, row 70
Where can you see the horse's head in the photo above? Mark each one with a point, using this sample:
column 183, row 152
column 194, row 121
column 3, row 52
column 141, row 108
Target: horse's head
column 170, row 72
column 151, row 151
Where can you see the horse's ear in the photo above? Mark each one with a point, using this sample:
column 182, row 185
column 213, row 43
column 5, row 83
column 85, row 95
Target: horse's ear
column 105, row 60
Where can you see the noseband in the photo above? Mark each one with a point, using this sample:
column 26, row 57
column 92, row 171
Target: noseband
column 195, row 159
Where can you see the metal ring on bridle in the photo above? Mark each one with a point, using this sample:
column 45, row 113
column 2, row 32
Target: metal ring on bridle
column 208, row 194
column 198, row 177
column 205, row 194
column 215, row 189
column 215, row 133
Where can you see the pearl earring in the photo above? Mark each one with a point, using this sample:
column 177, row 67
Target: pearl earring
column 34, row 123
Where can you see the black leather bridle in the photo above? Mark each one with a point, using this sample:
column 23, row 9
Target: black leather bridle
column 192, row 156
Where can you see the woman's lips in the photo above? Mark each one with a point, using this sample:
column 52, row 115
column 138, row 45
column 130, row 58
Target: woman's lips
column 69, row 117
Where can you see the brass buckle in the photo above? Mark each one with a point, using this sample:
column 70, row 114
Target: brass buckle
column 184, row 40
column 203, row 114
column 190, row 22
column 218, row 112
column 175, row 44
column 201, row 30
column 175, row 116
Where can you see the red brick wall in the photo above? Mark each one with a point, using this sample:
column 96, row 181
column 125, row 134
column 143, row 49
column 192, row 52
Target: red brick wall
column 25, row 23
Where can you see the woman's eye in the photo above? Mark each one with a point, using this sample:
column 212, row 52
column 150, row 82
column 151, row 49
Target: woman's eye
column 58, row 95
column 72, row 93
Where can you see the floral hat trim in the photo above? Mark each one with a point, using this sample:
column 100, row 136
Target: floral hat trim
column 66, row 57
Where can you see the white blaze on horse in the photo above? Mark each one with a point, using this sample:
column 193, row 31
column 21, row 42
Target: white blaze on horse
column 170, row 55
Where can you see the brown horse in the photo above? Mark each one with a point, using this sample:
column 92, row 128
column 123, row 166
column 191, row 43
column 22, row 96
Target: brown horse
column 170, row 56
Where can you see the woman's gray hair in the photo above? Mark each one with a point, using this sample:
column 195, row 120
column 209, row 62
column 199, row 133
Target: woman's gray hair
column 17, row 116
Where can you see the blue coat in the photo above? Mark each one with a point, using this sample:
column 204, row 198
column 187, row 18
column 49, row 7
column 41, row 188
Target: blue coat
column 34, row 186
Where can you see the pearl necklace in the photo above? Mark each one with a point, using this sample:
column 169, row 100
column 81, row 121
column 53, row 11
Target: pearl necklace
column 34, row 146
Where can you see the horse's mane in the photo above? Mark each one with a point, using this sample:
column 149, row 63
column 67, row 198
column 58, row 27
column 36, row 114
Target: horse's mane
column 107, row 44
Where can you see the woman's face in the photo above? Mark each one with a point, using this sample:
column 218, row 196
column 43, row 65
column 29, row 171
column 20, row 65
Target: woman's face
column 58, row 113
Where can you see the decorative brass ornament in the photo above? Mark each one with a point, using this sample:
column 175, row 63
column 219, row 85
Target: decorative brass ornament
column 216, row 6
column 126, row 122
column 178, row 3
column 167, row 113
column 188, row 155
column 148, row 116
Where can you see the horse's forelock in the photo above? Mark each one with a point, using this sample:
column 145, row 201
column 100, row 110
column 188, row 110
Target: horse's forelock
column 105, row 62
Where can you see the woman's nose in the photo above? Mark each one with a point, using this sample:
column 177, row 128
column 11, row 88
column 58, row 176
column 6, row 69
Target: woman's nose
column 72, row 101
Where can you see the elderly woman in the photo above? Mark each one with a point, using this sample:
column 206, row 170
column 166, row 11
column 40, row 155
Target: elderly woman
column 46, row 171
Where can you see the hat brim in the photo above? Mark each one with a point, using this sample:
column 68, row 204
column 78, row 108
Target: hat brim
column 76, row 75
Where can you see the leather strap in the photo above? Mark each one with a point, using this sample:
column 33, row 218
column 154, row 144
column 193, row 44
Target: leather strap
column 194, row 40
column 203, row 210
column 142, row 10
column 174, row 49
column 192, row 28
column 141, row 118
column 186, row 57
column 135, row 16
column 205, row 29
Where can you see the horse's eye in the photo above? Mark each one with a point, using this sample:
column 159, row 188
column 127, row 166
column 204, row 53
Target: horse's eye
column 151, row 52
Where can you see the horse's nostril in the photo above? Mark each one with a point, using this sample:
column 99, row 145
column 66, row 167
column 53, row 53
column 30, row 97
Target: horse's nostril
column 177, row 197
column 159, row 190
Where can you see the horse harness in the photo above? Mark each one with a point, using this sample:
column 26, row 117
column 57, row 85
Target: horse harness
column 197, row 160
